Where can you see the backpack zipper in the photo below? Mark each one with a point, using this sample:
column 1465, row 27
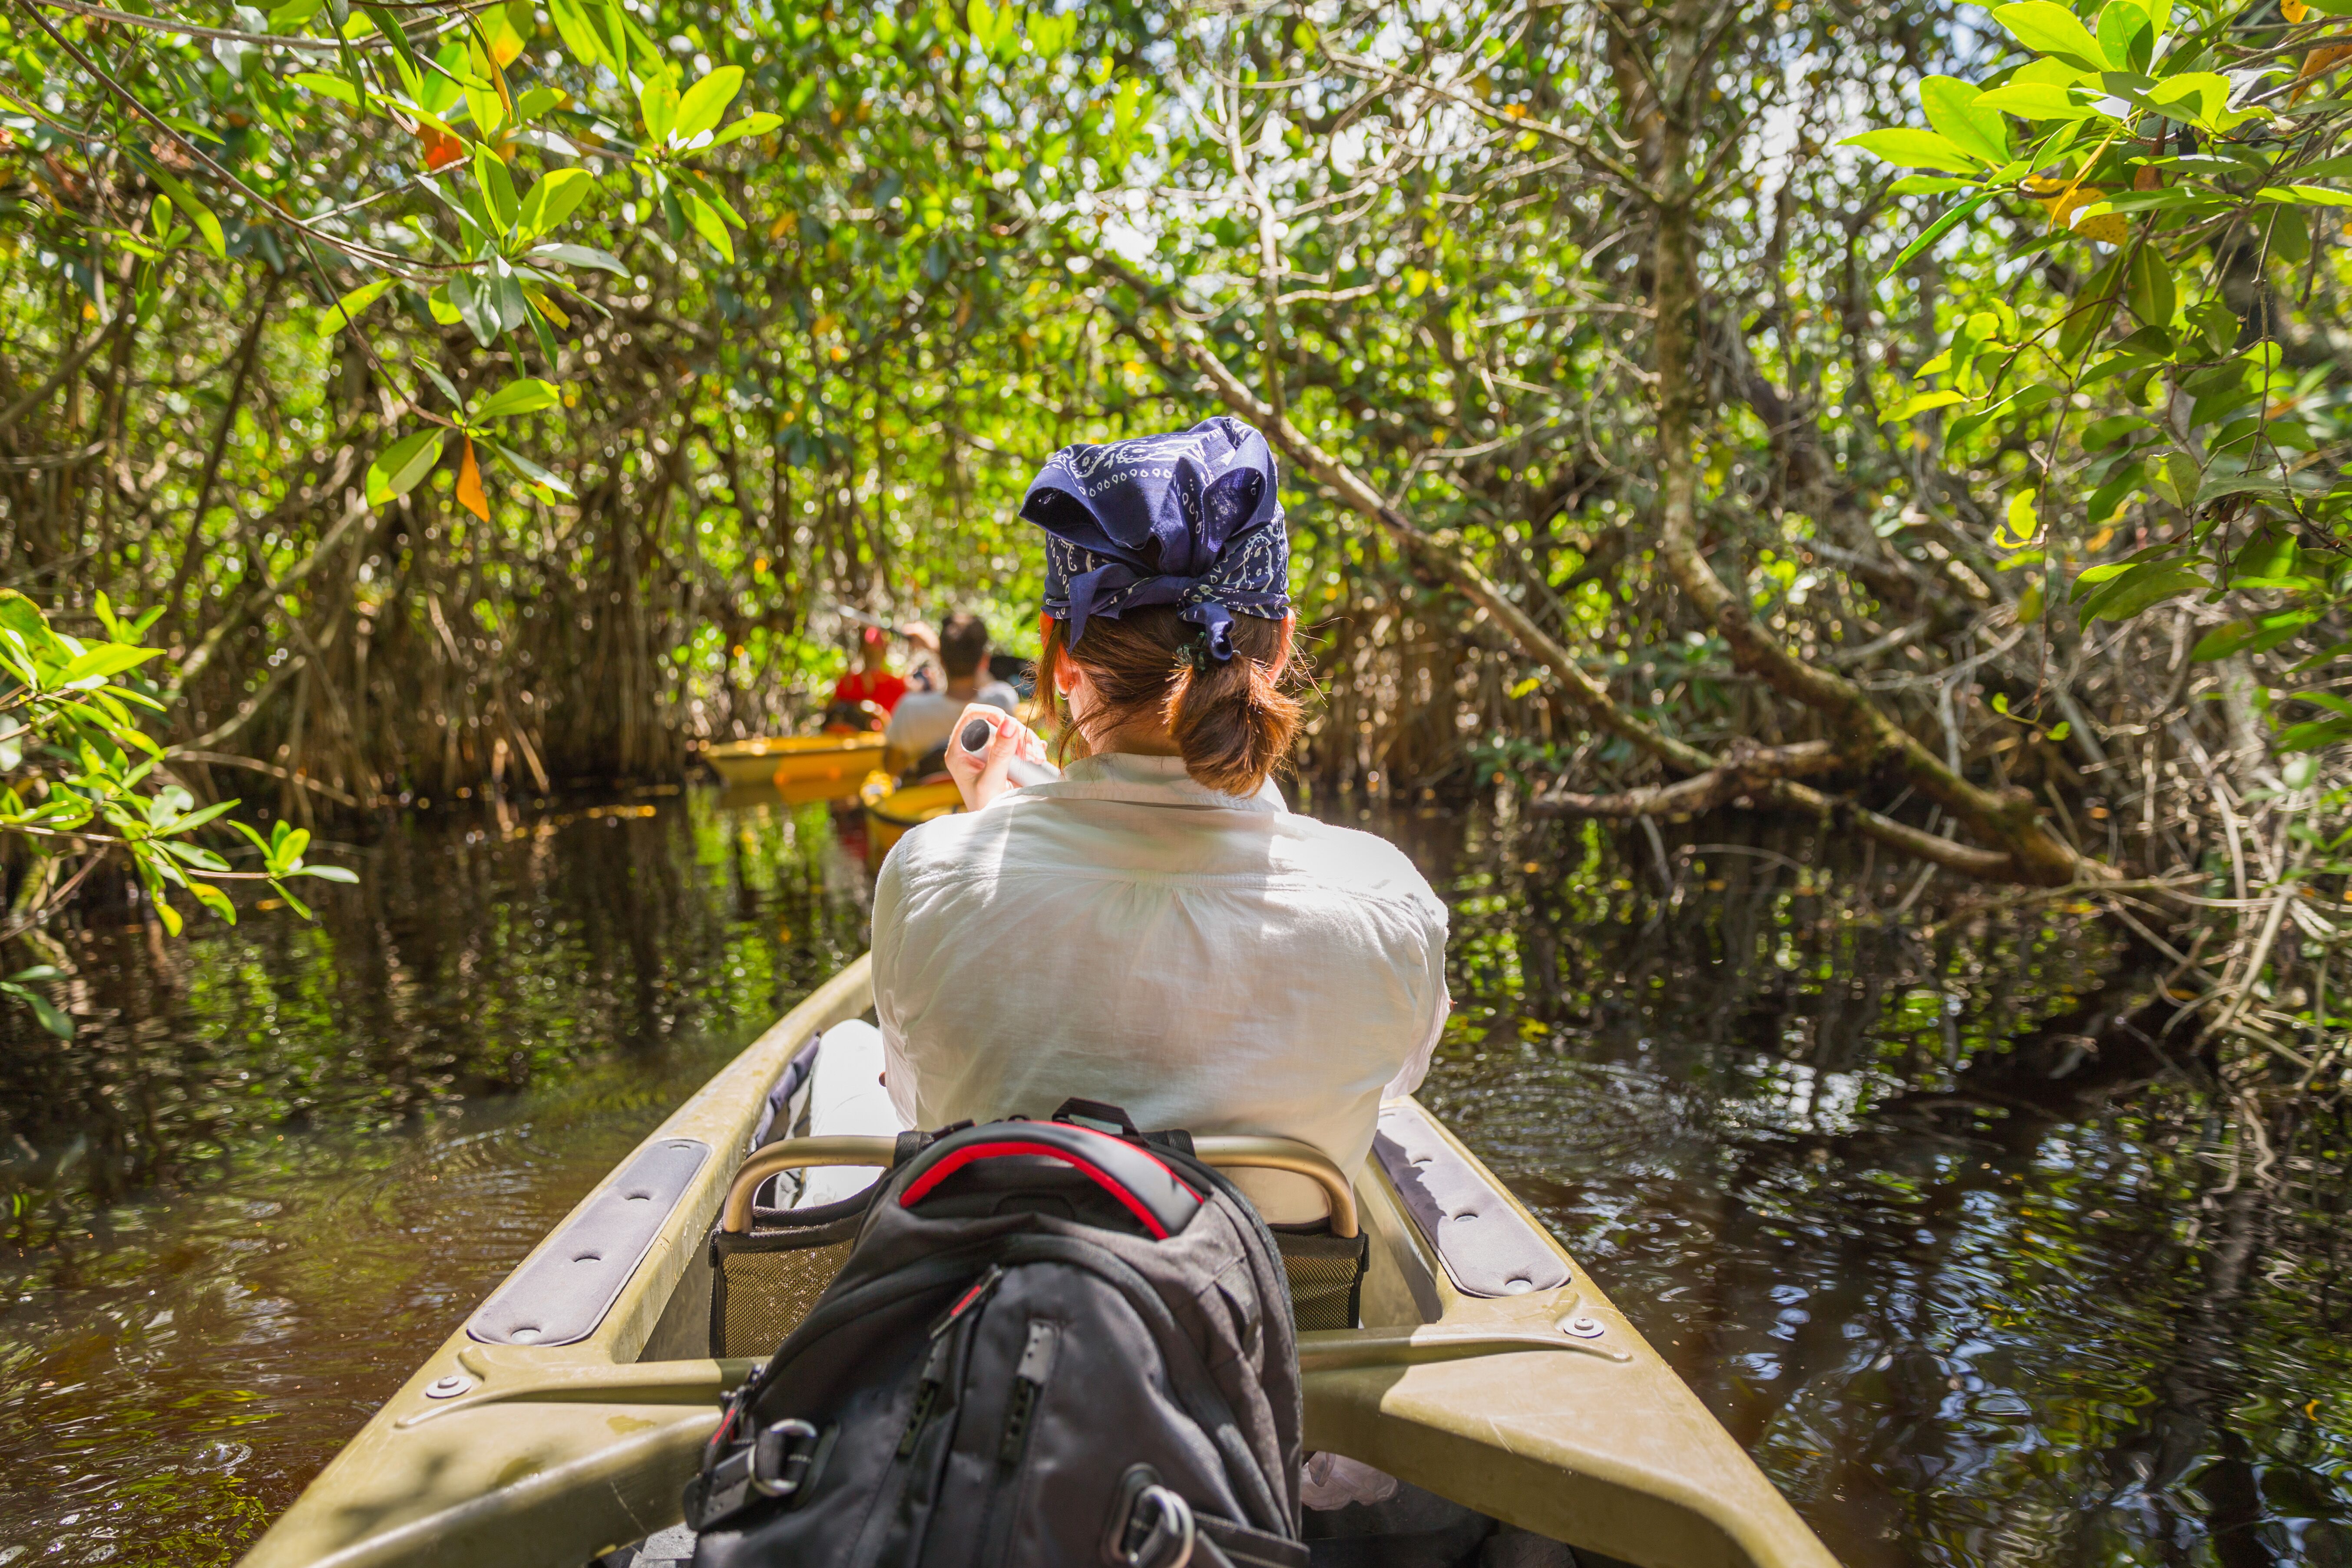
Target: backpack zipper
column 1028, row 1382
column 935, row 1364
column 1013, row 1448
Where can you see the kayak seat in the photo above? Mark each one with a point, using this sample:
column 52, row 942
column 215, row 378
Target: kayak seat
column 769, row 1265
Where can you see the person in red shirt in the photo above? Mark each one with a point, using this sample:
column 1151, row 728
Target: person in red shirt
column 871, row 681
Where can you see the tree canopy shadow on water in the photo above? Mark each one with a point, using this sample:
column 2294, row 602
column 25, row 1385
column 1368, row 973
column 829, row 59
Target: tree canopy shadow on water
column 1922, row 1200
column 1915, row 1193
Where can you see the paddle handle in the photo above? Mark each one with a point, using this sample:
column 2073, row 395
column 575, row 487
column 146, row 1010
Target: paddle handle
column 975, row 737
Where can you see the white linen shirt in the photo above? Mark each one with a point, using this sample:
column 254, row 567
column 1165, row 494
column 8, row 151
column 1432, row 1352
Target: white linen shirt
column 1205, row 961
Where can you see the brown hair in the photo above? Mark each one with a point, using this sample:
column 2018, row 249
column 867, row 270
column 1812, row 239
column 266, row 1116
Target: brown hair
column 963, row 643
column 1233, row 723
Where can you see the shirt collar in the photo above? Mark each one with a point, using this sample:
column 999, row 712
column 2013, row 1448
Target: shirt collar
column 1155, row 781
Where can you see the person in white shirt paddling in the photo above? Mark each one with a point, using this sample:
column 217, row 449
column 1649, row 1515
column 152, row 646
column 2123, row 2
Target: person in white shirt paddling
column 1154, row 929
column 922, row 722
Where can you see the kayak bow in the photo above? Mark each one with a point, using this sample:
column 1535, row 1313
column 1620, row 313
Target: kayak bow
column 563, row 1417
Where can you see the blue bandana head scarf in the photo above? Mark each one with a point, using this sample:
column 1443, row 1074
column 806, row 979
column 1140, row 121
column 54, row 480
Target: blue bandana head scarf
column 1188, row 519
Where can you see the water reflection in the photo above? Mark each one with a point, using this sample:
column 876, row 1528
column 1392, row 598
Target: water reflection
column 1902, row 1187
column 1917, row 1205
column 279, row 1163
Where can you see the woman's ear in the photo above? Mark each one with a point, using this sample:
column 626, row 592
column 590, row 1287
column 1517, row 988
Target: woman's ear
column 1065, row 671
column 1289, row 629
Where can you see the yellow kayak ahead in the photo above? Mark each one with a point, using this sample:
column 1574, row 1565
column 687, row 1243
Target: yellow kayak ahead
column 892, row 807
column 800, row 764
column 562, row 1418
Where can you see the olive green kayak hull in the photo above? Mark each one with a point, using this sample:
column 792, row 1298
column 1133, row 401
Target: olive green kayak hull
column 1544, row 1409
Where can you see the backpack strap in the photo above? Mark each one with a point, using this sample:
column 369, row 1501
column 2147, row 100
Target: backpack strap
column 1080, row 1112
column 1084, row 1112
column 912, row 1143
column 1133, row 1174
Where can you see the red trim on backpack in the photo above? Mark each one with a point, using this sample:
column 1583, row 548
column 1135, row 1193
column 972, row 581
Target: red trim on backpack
column 960, row 1158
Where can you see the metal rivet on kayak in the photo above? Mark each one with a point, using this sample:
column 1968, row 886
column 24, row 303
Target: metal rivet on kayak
column 448, row 1387
column 1582, row 1327
column 1517, row 1287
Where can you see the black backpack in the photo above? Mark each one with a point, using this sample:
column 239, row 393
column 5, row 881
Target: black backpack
column 1050, row 1346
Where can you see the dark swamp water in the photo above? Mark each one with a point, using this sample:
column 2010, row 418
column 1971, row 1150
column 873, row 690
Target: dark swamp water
column 1972, row 1274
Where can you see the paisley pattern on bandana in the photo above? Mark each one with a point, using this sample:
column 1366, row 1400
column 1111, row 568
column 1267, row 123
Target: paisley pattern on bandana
column 1188, row 518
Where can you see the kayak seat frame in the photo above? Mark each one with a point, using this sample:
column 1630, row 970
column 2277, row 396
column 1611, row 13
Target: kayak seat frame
column 769, row 1265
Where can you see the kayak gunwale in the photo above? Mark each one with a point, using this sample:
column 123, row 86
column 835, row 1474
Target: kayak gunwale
column 549, row 1454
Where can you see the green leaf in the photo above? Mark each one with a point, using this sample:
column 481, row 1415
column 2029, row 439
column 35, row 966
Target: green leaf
column 578, row 37
column 2152, row 296
column 527, row 396
column 213, row 899
column 1920, row 403
column 1951, row 108
column 44, row 1010
column 2257, row 635
column 2315, row 735
column 400, row 467
column 330, row 873
column 552, row 200
column 21, row 616
column 476, row 297
column 708, row 223
column 1935, row 231
column 345, row 310
column 2339, row 706
column 2145, row 585
column 1914, row 149
column 2021, row 524
column 2101, row 434
column 705, row 101
column 105, row 659
column 286, row 845
column 581, row 256
column 498, row 188
column 207, row 226
column 326, row 86
column 2126, row 36
column 2305, row 195
column 2052, row 29
column 657, row 105
column 389, row 26
column 528, row 469
column 750, row 125
column 2035, row 101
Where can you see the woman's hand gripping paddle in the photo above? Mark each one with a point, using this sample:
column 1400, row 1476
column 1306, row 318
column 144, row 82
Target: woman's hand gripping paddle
column 993, row 753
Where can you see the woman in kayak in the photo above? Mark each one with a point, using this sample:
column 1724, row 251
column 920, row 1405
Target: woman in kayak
column 1156, row 929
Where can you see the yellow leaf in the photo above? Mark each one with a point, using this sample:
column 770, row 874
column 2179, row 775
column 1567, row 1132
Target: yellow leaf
column 2107, row 228
column 546, row 307
column 2293, row 10
column 469, row 486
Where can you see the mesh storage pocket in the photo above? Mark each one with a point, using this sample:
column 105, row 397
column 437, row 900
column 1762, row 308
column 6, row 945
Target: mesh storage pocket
column 764, row 1281
column 1327, row 1276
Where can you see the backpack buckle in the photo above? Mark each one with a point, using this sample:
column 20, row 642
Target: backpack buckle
column 778, row 1462
column 1151, row 1527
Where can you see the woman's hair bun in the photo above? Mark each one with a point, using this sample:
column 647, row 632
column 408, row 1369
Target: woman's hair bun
column 1233, row 720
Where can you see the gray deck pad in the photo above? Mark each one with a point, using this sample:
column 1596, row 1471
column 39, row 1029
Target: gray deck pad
column 1488, row 1249
column 560, row 1296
